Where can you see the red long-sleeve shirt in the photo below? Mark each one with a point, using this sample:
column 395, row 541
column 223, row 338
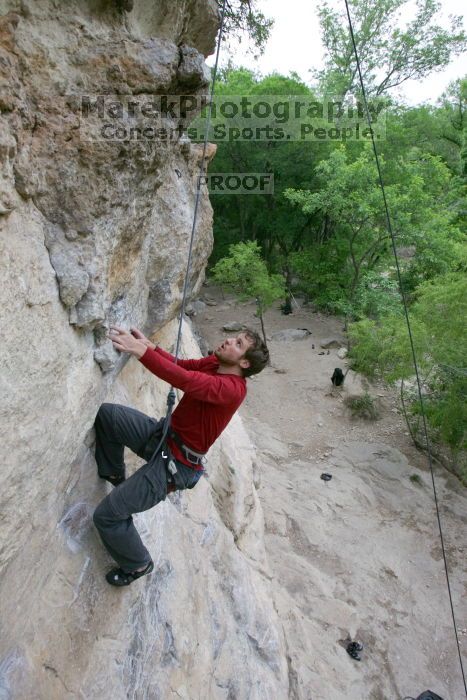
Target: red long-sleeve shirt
column 209, row 401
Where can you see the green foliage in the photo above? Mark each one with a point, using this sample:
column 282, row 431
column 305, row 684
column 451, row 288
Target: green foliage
column 349, row 200
column 415, row 479
column 324, row 228
column 441, row 306
column 438, row 130
column 243, row 19
column 266, row 218
column 377, row 295
column 389, row 54
column 438, row 328
column 446, row 409
column 382, row 348
column 363, row 406
column 336, row 189
column 245, row 272
column 453, row 123
column 356, row 248
column 318, row 269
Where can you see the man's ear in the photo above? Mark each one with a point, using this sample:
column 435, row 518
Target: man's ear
column 244, row 363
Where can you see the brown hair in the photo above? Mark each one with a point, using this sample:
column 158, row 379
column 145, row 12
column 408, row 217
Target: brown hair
column 257, row 354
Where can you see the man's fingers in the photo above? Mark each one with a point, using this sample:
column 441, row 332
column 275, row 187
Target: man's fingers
column 116, row 340
column 118, row 330
column 119, row 346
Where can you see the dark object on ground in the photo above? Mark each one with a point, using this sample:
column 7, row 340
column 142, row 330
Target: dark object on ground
column 326, row 477
column 125, row 5
column 114, row 480
column 321, row 353
column 337, row 377
column 305, row 329
column 426, row 695
column 118, row 577
column 286, row 307
column 353, row 650
column 312, row 346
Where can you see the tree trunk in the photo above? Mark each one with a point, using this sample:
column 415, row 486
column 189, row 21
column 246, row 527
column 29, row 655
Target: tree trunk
column 259, row 312
column 241, row 213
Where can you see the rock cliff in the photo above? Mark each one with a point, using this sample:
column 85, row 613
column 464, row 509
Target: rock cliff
column 95, row 232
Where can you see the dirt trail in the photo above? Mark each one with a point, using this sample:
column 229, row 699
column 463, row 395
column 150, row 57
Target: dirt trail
column 358, row 556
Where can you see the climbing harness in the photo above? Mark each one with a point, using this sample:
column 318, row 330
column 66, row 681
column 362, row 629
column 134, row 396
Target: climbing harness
column 171, row 394
column 406, row 314
column 198, row 459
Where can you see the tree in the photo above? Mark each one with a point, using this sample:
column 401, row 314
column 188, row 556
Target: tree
column 454, row 121
column 245, row 272
column 357, row 243
column 242, row 18
column 266, row 218
column 438, row 330
column 389, row 54
column 349, row 200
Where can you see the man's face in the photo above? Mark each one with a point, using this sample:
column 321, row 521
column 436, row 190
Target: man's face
column 232, row 351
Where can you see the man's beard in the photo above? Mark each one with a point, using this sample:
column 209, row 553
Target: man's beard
column 223, row 360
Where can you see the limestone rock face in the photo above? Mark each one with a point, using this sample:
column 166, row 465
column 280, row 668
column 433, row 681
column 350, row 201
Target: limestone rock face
column 189, row 22
column 109, row 207
column 94, row 233
column 205, row 612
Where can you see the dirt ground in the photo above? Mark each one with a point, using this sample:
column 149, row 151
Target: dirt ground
column 357, row 557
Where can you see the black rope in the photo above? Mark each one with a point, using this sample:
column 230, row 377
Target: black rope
column 171, row 394
column 198, row 186
column 406, row 313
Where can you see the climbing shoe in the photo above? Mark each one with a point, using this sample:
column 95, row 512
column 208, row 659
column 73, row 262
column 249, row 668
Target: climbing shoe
column 118, row 577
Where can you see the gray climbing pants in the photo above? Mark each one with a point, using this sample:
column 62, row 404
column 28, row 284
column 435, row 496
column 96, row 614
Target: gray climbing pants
column 118, row 427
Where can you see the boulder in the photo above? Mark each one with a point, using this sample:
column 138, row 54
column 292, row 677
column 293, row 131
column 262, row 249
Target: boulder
column 233, row 327
column 198, row 306
column 355, row 384
column 334, row 342
column 290, row 334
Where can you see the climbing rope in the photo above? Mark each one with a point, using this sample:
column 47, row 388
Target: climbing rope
column 198, row 186
column 406, row 313
column 202, row 167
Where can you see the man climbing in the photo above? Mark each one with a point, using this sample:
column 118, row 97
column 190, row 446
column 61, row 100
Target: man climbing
column 214, row 387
